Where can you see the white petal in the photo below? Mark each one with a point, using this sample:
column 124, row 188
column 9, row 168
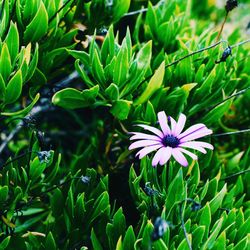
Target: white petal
column 152, row 129
column 143, row 152
column 162, row 118
column 166, row 155
column 197, row 145
column 138, row 135
column 194, row 146
column 180, row 124
column 173, row 125
column 179, row 157
column 157, row 157
column 193, row 156
column 143, row 143
column 196, row 135
column 192, row 129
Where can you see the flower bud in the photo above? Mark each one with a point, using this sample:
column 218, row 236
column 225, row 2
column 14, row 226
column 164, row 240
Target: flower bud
column 231, row 4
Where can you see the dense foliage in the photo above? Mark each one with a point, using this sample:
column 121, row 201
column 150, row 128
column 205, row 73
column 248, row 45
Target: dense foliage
column 75, row 77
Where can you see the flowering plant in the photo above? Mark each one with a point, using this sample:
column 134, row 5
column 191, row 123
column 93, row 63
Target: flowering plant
column 170, row 140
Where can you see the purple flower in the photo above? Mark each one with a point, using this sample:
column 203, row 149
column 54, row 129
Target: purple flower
column 170, row 141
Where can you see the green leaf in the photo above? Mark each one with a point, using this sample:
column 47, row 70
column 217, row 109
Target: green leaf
column 97, row 69
column 2, row 88
column 184, row 245
column 5, row 62
column 176, row 191
column 112, row 92
column 4, row 17
column 153, row 85
column 220, row 242
column 80, row 207
column 243, row 244
column 244, row 229
column 4, row 244
column 198, row 235
column 12, row 41
column 25, row 111
column 116, row 229
column 129, row 239
column 120, row 109
column 50, row 242
column 14, row 88
column 38, row 26
column 119, row 244
column 30, row 222
column 142, row 64
column 95, row 242
column 216, row 202
column 206, row 87
column 121, row 66
column 32, row 65
column 120, row 8
column 215, row 114
column 4, row 191
column 205, row 218
column 36, row 169
column 150, row 113
column 211, row 240
column 81, row 55
column 70, row 203
column 82, row 73
column 108, row 46
column 70, row 98
column 100, row 206
column 57, row 202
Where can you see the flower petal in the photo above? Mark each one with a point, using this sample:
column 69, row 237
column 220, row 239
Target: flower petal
column 158, row 156
column 180, row 124
column 193, row 156
column 173, row 125
column 152, row 129
column 196, row 135
column 193, row 145
column 204, row 144
column 197, row 144
column 143, row 152
column 143, row 143
column 179, row 157
column 138, row 135
column 166, row 155
column 191, row 130
column 162, row 118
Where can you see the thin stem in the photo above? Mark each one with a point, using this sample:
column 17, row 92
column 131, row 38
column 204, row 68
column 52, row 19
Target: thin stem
column 236, row 174
column 183, row 226
column 186, row 56
column 231, row 96
column 222, row 26
column 132, row 13
column 17, row 158
column 33, row 112
column 30, row 151
column 10, row 136
column 195, row 52
column 62, row 7
column 232, row 133
column 240, row 43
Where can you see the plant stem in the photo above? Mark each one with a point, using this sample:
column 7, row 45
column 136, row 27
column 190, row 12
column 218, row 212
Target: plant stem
column 222, row 26
column 232, row 133
column 236, row 174
column 183, row 226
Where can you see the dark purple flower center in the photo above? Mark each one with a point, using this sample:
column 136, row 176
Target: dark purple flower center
column 170, row 141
